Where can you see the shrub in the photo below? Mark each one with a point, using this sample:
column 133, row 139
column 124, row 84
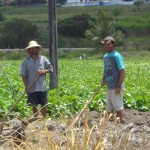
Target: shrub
column 65, row 41
column 2, row 17
column 75, row 26
column 17, row 33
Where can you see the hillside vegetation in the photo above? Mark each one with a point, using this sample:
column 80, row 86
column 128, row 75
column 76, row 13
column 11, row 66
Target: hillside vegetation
column 133, row 21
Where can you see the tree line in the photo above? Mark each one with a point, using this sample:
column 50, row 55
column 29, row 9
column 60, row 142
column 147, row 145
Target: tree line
column 77, row 31
column 27, row 2
column 88, row 30
column 21, row 2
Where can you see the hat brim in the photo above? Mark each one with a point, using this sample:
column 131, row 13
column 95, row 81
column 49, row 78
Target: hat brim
column 102, row 42
column 39, row 46
column 106, row 41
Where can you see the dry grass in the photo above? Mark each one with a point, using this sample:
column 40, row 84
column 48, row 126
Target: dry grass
column 97, row 137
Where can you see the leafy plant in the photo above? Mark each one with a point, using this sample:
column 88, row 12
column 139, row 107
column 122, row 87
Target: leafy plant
column 103, row 26
column 78, row 80
column 74, row 26
column 22, row 32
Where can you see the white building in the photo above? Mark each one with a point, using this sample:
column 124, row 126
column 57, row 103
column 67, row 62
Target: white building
column 82, row 2
column 98, row 2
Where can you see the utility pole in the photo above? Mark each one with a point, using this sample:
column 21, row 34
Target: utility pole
column 53, row 56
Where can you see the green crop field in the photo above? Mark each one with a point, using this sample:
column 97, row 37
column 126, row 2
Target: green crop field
column 78, row 80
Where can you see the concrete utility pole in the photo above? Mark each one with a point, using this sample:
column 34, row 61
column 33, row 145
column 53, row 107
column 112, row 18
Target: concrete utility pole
column 53, row 56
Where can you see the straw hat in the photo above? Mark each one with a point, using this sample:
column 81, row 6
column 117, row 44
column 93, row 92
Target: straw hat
column 33, row 44
column 107, row 40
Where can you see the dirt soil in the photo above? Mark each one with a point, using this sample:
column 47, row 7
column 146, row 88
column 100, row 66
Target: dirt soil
column 113, row 134
column 134, row 134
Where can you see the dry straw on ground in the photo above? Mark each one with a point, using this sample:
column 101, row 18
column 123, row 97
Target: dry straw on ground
column 93, row 131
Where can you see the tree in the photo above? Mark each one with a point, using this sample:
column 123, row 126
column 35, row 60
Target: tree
column 19, row 2
column 24, row 2
column 17, row 33
column 1, row 2
column 38, row 1
column 2, row 17
column 74, row 26
column 61, row 2
column 101, row 27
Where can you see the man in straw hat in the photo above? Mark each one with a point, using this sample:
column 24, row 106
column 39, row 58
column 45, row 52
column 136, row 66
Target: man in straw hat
column 33, row 71
column 113, row 77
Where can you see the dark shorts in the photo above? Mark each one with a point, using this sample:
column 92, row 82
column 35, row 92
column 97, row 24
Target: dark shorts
column 37, row 98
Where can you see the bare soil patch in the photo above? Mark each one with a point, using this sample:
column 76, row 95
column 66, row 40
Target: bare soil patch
column 92, row 130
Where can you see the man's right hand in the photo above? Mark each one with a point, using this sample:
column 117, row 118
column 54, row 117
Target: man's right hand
column 103, row 83
column 26, row 88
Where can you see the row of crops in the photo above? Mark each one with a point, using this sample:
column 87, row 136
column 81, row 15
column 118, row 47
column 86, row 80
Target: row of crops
column 78, row 80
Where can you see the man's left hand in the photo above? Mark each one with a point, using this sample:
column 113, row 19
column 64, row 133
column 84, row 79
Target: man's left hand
column 118, row 89
column 41, row 72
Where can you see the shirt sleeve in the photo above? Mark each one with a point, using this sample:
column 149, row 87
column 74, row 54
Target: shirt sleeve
column 48, row 65
column 120, row 62
column 23, row 69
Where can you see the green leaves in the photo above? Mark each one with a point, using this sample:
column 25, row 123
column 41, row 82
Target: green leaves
column 137, row 85
column 102, row 26
column 78, row 80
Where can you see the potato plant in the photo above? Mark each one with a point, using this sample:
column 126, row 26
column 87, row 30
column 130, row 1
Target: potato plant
column 78, row 80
